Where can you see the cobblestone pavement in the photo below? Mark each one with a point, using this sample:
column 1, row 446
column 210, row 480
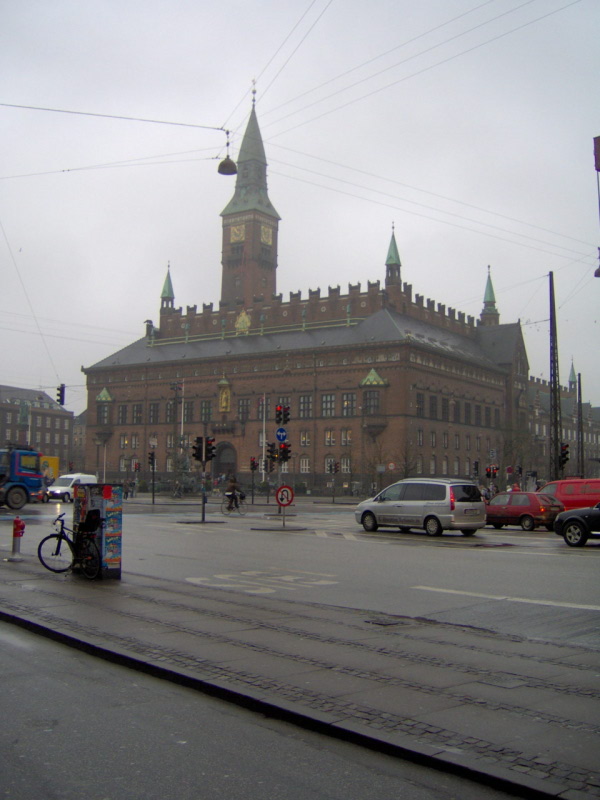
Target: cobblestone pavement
column 522, row 715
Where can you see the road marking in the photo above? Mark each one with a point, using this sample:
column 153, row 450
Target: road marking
column 260, row 582
column 554, row 603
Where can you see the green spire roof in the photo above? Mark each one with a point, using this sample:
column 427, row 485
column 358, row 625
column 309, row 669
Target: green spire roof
column 489, row 298
column 572, row 375
column 251, row 182
column 167, row 292
column 393, row 257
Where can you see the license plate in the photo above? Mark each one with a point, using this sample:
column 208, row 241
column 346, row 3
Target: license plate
column 470, row 511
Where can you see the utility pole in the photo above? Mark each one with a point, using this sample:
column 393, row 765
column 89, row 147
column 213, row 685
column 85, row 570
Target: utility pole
column 580, row 452
column 555, row 411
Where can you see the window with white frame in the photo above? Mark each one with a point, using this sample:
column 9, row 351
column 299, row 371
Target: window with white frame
column 346, row 437
column 329, row 464
column 122, row 464
column 345, row 464
column 432, row 465
column 329, row 437
column 304, row 438
column 169, row 464
column 304, row 464
column 327, row 405
column 456, row 469
column 445, row 465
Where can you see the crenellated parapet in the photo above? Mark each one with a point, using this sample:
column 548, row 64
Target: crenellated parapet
column 267, row 314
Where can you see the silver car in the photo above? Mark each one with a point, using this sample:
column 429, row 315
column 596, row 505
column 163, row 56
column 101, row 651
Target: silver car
column 433, row 505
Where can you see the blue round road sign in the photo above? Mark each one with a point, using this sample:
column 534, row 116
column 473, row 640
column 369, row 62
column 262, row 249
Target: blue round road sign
column 281, row 434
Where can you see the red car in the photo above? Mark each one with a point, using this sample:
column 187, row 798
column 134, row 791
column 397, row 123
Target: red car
column 527, row 509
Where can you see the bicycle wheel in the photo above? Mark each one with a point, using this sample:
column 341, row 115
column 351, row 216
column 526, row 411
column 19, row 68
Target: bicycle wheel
column 55, row 552
column 242, row 507
column 225, row 507
column 89, row 558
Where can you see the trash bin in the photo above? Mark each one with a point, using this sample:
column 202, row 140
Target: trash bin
column 107, row 499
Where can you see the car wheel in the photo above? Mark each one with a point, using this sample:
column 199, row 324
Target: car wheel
column 66, row 497
column 16, row 497
column 466, row 532
column 433, row 527
column 45, row 498
column 498, row 525
column 527, row 523
column 575, row 534
column 369, row 522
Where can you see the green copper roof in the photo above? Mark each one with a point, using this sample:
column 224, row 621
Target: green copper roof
column 373, row 379
column 572, row 375
column 393, row 257
column 251, row 182
column 167, row 292
column 104, row 396
column 489, row 298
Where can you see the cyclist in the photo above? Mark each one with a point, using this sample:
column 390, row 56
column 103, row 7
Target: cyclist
column 233, row 492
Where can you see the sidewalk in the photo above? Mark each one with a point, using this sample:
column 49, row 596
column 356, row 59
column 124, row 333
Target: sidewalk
column 522, row 716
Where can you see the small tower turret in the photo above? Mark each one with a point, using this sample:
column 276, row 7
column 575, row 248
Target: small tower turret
column 489, row 313
column 392, row 263
column 167, row 297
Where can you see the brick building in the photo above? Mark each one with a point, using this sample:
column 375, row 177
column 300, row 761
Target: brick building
column 379, row 380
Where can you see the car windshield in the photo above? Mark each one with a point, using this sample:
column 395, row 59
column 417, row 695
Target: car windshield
column 62, row 482
column 466, row 493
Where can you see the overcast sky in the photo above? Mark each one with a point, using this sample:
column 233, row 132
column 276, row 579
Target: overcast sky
column 468, row 125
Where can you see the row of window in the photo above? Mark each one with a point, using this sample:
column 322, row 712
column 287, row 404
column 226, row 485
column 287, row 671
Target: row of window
column 446, row 438
column 469, row 413
column 37, row 420
column 127, row 464
column 331, row 405
column 38, row 439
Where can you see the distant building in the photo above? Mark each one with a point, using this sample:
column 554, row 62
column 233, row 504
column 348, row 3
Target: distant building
column 31, row 417
column 381, row 383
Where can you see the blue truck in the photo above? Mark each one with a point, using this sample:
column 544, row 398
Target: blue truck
column 20, row 475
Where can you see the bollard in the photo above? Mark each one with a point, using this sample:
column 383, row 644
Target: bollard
column 18, row 531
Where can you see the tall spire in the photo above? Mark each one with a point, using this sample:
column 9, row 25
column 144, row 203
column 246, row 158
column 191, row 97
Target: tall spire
column 572, row 378
column 251, row 182
column 489, row 314
column 392, row 262
column 167, row 296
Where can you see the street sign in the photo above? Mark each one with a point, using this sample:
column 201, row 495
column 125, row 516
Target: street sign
column 281, row 434
column 284, row 496
column 391, row 466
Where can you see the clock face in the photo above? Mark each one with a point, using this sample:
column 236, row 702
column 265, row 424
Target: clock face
column 266, row 234
column 237, row 233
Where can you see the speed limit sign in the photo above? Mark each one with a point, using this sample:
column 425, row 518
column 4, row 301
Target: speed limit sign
column 284, row 495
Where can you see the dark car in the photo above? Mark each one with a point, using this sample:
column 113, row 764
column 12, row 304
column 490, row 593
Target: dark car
column 578, row 525
column 527, row 509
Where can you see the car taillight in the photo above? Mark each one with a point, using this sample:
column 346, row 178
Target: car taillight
column 542, row 509
column 452, row 499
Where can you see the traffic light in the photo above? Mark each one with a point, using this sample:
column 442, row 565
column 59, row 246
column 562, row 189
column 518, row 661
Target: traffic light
column 210, row 450
column 265, row 465
column 272, row 451
column 136, row 466
column 197, row 449
column 494, row 471
column 284, row 451
column 488, row 472
column 279, row 414
column 253, row 464
column 271, row 466
column 564, row 454
column 330, row 467
column 60, row 394
column 519, row 471
column 476, row 468
column 286, row 415
column 336, row 466
column 152, row 459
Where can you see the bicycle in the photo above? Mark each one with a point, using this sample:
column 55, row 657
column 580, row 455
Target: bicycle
column 60, row 553
column 239, row 505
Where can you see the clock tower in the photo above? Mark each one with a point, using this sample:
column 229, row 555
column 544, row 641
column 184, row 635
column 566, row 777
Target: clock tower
column 250, row 227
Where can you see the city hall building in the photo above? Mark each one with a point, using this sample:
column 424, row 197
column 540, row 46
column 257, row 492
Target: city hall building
column 381, row 382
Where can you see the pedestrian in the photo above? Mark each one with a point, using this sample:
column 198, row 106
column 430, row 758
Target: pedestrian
column 125, row 490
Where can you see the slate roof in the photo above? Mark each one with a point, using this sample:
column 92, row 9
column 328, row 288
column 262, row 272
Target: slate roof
column 383, row 327
column 15, row 394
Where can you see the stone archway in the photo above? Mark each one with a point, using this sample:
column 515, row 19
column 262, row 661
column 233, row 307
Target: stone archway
column 226, row 460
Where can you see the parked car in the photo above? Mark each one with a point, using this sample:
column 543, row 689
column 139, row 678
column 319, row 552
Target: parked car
column 574, row 492
column 63, row 487
column 577, row 525
column 527, row 509
column 434, row 505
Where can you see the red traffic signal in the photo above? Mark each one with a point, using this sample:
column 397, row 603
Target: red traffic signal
column 279, row 414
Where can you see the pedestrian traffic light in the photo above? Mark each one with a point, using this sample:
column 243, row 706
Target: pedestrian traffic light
column 136, row 466
column 564, row 454
column 284, row 451
column 60, row 394
column 336, row 466
column 152, row 459
column 210, row 450
column 265, row 465
column 197, row 454
column 476, row 468
column 286, row 415
column 271, row 465
column 279, row 414
column 253, row 464
column 330, row 467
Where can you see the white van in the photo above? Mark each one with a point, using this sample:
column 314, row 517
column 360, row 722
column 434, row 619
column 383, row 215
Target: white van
column 62, row 488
